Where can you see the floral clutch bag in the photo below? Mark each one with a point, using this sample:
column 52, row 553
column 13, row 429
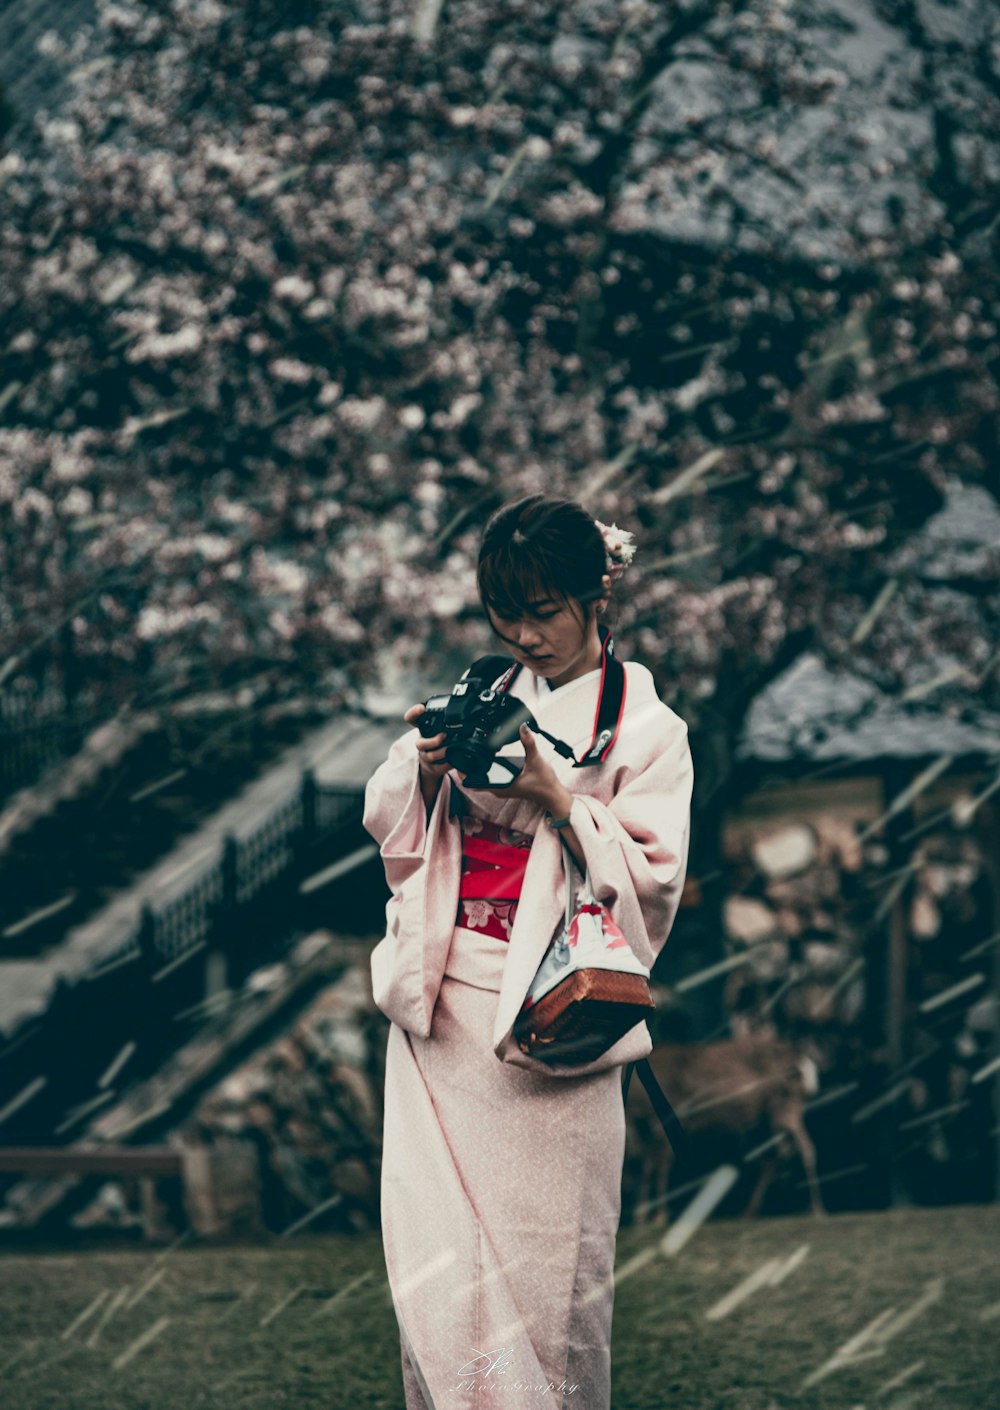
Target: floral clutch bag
column 589, row 989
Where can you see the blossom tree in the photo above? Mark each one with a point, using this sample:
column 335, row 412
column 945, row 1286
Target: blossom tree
column 294, row 296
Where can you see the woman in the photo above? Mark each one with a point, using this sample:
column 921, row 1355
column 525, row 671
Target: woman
column 501, row 1175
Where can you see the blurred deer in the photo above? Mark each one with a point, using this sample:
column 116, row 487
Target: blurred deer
column 730, row 1087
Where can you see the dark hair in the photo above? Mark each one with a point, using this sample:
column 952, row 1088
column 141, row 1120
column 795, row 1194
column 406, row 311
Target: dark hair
column 540, row 547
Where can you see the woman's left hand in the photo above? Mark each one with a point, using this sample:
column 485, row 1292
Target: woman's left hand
column 537, row 781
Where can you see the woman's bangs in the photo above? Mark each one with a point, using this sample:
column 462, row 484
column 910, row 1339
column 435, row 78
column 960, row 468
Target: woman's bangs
column 508, row 587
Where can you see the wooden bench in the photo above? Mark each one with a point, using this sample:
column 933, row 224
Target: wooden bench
column 218, row 1183
column 144, row 1164
column 100, row 1160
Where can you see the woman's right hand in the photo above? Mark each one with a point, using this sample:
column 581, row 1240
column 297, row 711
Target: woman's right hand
column 430, row 754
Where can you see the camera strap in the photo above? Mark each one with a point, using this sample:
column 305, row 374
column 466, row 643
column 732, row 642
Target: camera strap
column 610, row 705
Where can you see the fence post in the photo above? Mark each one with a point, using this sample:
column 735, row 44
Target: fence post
column 230, row 849
column 306, row 835
column 147, row 937
column 309, row 792
column 216, row 979
column 222, row 1188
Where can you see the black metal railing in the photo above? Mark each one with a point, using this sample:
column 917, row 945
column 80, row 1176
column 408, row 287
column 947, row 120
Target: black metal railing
column 241, row 909
column 247, row 866
column 39, row 728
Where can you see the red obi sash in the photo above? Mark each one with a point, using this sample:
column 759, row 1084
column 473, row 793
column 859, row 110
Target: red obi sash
column 491, row 870
column 492, row 875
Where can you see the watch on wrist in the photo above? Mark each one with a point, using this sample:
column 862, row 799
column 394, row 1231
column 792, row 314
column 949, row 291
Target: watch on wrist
column 556, row 822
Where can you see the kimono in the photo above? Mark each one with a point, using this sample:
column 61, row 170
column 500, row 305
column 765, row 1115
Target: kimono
column 501, row 1174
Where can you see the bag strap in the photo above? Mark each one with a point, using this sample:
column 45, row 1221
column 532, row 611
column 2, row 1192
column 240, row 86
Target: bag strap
column 668, row 1117
column 568, row 872
column 570, row 865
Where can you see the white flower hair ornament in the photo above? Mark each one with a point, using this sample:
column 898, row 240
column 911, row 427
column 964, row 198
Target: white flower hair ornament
column 619, row 548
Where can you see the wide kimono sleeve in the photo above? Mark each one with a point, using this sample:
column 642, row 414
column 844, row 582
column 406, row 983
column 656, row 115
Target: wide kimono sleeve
column 395, row 813
column 636, row 846
column 422, row 859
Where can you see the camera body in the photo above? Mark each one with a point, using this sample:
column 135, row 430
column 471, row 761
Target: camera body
column 477, row 722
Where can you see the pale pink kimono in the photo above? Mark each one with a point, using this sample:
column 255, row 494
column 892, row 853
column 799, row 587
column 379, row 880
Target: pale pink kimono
column 501, row 1175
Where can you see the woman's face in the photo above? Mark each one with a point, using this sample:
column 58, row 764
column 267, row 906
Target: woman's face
column 551, row 638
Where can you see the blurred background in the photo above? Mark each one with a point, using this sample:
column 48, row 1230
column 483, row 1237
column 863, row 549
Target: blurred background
column 292, row 297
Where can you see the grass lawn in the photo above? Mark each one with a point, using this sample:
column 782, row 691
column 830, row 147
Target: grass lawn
column 747, row 1316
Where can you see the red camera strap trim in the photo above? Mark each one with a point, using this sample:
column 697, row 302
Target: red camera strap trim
column 607, row 648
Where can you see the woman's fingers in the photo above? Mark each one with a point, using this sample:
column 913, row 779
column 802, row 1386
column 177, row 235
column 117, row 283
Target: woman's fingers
column 430, row 750
column 411, row 716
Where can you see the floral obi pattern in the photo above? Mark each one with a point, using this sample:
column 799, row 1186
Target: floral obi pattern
column 493, row 863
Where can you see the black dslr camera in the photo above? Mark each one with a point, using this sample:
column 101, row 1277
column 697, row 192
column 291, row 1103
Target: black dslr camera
column 478, row 723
